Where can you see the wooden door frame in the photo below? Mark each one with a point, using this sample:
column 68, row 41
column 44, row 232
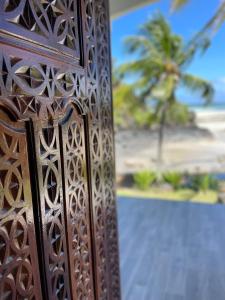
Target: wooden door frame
column 91, row 89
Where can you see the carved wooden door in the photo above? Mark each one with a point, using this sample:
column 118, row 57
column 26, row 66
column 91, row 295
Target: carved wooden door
column 58, row 227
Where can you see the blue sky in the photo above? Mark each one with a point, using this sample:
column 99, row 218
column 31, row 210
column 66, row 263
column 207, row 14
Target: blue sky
column 186, row 23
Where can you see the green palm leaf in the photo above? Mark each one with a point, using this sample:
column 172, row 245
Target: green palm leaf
column 177, row 4
column 199, row 85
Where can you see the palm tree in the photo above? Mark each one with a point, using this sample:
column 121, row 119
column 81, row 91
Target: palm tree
column 161, row 65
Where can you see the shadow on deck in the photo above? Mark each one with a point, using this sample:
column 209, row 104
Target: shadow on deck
column 171, row 251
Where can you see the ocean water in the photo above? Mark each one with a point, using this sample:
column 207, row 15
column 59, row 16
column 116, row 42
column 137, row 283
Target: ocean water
column 211, row 107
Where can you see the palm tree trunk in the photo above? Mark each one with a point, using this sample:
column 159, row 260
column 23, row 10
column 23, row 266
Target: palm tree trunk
column 161, row 137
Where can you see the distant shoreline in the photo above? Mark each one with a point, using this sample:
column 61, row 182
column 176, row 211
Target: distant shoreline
column 211, row 119
column 205, row 108
column 193, row 149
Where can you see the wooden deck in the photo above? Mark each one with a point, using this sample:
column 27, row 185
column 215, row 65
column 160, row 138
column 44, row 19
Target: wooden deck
column 171, row 251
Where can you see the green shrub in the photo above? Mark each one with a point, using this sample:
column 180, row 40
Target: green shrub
column 174, row 179
column 214, row 183
column 143, row 180
column 204, row 182
column 178, row 113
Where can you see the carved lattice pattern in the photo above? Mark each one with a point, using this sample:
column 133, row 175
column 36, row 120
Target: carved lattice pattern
column 52, row 210
column 96, row 152
column 41, row 75
column 54, row 23
column 102, row 21
column 36, row 89
column 18, row 257
column 77, row 202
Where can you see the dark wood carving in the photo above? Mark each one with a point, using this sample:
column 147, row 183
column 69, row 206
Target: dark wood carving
column 19, row 275
column 105, row 95
column 58, row 227
column 52, row 24
column 77, row 205
column 52, row 209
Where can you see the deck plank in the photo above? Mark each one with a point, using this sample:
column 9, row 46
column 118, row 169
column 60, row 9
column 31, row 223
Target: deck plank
column 171, row 250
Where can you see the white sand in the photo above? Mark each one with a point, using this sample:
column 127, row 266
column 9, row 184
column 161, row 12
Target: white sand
column 185, row 149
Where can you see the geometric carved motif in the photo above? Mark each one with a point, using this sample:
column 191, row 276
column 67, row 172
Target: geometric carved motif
column 18, row 257
column 104, row 84
column 77, row 226
column 37, row 89
column 77, row 207
column 52, row 210
column 55, row 22
column 95, row 133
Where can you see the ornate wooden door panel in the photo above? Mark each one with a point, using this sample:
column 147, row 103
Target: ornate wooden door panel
column 46, row 139
column 19, row 275
column 58, row 227
column 77, row 204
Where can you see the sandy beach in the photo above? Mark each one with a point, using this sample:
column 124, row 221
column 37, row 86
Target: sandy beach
column 199, row 148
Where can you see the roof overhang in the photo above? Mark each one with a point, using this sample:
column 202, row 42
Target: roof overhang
column 120, row 7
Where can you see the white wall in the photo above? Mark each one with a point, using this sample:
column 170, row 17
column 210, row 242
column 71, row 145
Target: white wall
column 120, row 7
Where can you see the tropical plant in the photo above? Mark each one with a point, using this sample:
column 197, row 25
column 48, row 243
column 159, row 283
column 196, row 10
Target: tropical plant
column 178, row 113
column 162, row 61
column 143, row 180
column 128, row 109
column 120, row 93
column 213, row 183
column 204, row 182
column 174, row 179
